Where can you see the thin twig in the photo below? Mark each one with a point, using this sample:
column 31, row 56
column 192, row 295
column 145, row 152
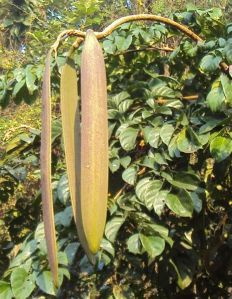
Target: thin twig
column 163, row 101
column 166, row 49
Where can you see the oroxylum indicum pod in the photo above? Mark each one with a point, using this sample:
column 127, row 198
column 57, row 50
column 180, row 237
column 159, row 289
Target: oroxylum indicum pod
column 70, row 116
column 92, row 203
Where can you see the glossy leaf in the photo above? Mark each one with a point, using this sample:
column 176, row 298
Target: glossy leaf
column 112, row 228
column 128, row 138
column 181, row 203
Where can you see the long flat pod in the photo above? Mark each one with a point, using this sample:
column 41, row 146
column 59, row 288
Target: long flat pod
column 94, row 142
column 45, row 161
column 70, row 116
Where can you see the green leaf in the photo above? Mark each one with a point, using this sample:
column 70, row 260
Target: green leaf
column 25, row 254
column 122, row 292
column 227, row 88
column 123, row 43
column 166, row 133
column 71, row 250
column 181, row 204
column 129, row 175
column 63, row 189
column 30, row 79
column 22, row 284
column 162, row 90
column 114, row 164
column 109, row 47
column 112, row 228
column 187, row 142
column 210, row 63
column 160, row 159
column 134, row 244
column 215, row 98
column 62, row 258
column 221, row 148
column 228, row 52
column 209, row 125
column 159, row 202
column 18, row 87
column 154, row 246
column 108, row 247
column 184, row 180
column 147, row 191
column 153, row 136
column 127, row 138
column 125, row 161
column 173, row 148
column 64, row 218
column 197, row 202
column 45, row 283
column 116, row 100
column 5, row 290
column 184, row 275
column 125, row 105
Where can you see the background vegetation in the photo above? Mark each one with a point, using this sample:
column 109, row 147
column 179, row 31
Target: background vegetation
column 168, row 233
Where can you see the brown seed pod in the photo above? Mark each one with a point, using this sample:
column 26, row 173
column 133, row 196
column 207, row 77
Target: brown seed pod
column 46, row 181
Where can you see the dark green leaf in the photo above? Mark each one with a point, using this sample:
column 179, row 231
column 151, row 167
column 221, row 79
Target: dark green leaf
column 128, row 138
column 166, row 133
column 154, row 246
column 30, row 79
column 215, row 97
column 129, row 175
column 210, row 63
column 134, row 244
column 227, row 88
column 112, row 228
column 181, row 204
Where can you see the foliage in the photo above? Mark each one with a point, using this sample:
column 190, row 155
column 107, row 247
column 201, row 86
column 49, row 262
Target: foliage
column 169, row 227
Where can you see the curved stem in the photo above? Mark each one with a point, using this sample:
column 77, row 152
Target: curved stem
column 142, row 17
column 147, row 17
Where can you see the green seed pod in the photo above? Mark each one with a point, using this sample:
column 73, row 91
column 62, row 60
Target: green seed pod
column 94, row 142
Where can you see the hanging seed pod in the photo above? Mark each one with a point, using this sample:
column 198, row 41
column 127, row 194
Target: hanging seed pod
column 70, row 116
column 45, row 161
column 94, row 142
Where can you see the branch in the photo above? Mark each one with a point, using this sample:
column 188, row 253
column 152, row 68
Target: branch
column 166, row 49
column 142, row 17
column 163, row 101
